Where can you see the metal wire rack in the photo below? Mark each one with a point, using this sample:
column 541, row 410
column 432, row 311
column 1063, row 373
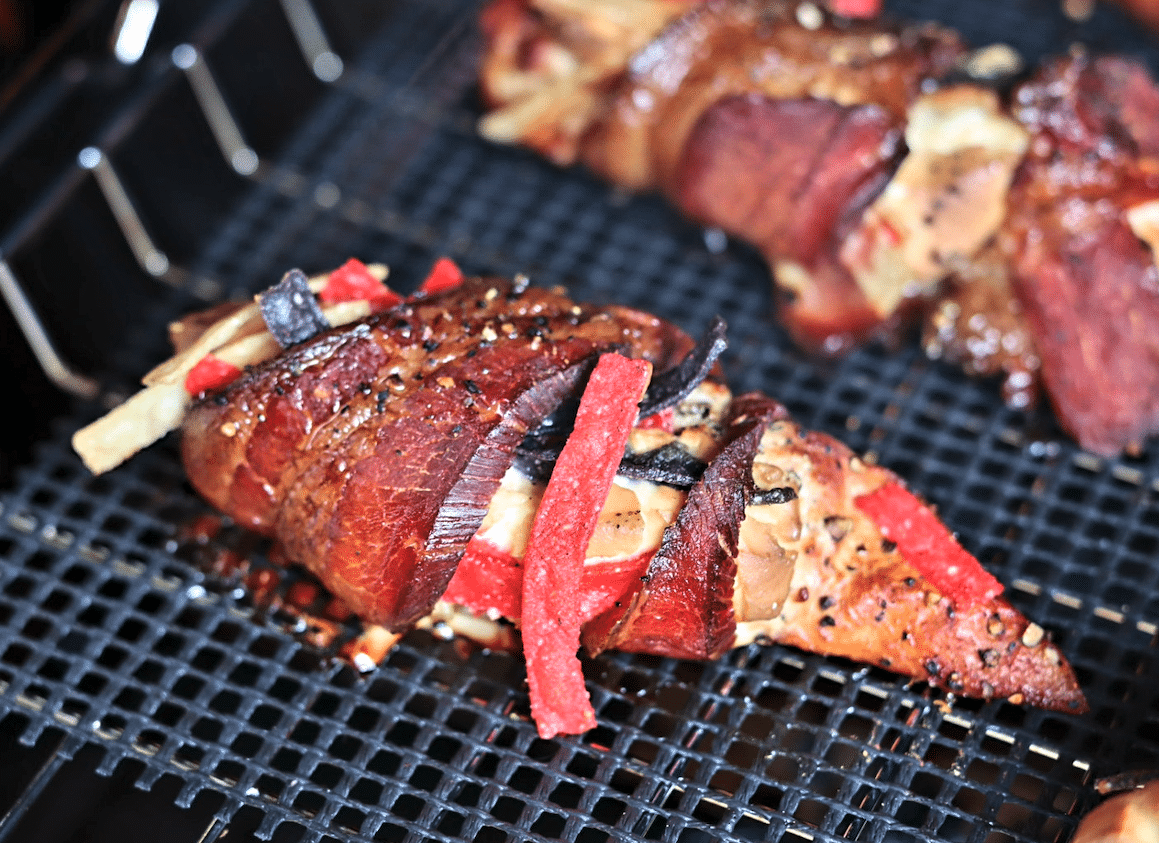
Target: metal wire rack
column 250, row 136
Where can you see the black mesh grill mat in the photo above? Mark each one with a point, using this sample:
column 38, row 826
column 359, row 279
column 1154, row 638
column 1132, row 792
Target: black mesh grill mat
column 116, row 640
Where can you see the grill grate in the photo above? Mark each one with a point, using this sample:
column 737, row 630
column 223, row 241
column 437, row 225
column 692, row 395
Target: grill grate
column 119, row 645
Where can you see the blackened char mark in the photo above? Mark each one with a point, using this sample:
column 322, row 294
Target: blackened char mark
column 669, row 465
column 290, row 311
column 537, row 453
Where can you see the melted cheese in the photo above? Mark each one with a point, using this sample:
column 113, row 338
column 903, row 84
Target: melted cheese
column 632, row 521
column 508, row 521
column 763, row 567
column 946, row 200
column 1144, row 222
column 800, row 530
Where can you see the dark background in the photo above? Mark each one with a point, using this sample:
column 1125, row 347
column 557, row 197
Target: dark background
column 1003, row 492
column 25, row 26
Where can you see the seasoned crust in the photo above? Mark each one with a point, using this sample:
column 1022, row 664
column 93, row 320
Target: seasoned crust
column 853, row 595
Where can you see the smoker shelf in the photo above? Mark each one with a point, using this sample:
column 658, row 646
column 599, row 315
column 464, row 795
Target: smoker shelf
column 125, row 650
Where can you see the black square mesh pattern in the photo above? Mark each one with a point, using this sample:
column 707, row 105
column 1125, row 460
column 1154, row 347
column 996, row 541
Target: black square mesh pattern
column 119, row 635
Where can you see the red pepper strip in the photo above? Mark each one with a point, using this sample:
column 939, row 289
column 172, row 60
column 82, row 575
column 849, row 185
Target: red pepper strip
column 856, row 8
column 445, row 275
column 560, row 533
column 210, row 372
column 928, row 545
column 605, row 583
column 488, row 579
column 354, row 282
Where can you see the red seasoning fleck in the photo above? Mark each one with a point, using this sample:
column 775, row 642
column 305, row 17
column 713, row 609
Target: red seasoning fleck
column 444, row 275
column 663, row 420
column 856, row 8
column 353, row 281
column 210, row 372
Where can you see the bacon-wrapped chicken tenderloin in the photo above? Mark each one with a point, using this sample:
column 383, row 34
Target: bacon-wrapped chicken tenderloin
column 443, row 451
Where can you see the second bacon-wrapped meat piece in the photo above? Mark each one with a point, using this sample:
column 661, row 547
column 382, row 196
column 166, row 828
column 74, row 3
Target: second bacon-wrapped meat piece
column 1080, row 240
column 403, row 460
column 777, row 132
column 878, row 190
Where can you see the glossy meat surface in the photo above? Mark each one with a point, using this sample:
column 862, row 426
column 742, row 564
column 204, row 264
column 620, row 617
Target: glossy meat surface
column 721, row 50
column 371, row 452
column 854, row 595
column 809, row 169
column 684, row 607
column 1087, row 282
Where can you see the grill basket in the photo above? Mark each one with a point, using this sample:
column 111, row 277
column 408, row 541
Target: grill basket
column 257, row 135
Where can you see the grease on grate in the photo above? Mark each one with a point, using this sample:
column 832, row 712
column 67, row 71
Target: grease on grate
column 288, row 598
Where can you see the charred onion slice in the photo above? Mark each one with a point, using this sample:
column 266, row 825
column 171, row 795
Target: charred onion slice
column 670, row 464
column 671, row 387
column 539, row 450
column 290, row 311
